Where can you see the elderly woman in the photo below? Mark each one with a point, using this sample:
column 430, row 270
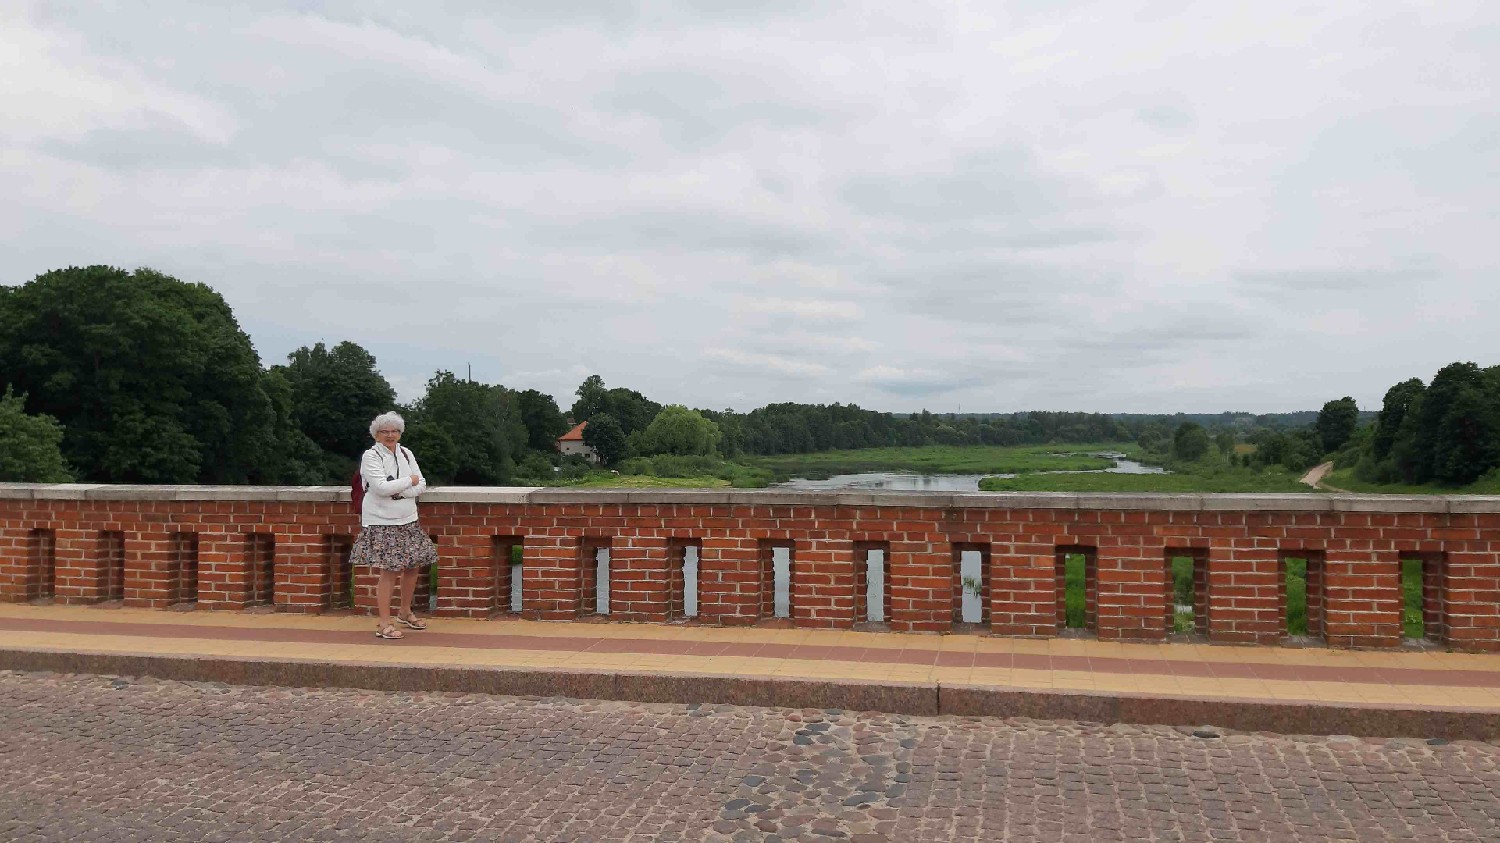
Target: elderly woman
column 391, row 540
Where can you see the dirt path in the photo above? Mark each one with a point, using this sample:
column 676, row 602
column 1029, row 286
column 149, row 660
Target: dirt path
column 1314, row 477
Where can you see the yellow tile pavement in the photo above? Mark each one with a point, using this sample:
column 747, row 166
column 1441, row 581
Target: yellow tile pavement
column 1201, row 670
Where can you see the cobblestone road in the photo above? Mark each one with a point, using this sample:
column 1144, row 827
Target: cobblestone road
column 93, row 758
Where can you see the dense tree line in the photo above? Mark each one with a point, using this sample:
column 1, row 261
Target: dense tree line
column 1446, row 432
column 30, row 446
column 140, row 377
column 116, row 376
column 151, row 379
column 790, row 428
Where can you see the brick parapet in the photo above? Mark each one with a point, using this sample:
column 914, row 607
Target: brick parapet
column 59, row 537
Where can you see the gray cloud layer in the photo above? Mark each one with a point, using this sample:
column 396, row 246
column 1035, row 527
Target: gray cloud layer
column 1122, row 206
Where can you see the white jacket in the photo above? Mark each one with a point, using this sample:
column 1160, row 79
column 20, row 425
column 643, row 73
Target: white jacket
column 390, row 498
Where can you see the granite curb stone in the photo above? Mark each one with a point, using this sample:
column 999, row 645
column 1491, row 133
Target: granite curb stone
column 897, row 698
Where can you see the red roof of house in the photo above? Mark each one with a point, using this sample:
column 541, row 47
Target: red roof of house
column 574, row 435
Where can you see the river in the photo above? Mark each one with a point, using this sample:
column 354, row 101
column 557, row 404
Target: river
column 908, row 482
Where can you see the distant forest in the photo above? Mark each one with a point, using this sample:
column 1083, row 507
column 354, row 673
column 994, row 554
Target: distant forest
column 117, row 376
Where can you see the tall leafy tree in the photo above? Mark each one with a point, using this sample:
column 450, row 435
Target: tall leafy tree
column 30, row 446
column 630, row 409
column 678, row 430
column 1399, row 399
column 605, row 435
column 292, row 458
column 1190, row 441
column 731, row 430
column 1224, row 441
column 465, row 432
column 151, row 377
column 1457, row 435
column 592, row 398
column 1336, row 423
column 543, row 420
column 335, row 393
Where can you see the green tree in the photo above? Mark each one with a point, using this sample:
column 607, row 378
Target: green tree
column 1336, row 423
column 678, row 430
column 464, row 432
column 731, row 430
column 605, row 435
column 1398, row 403
column 1224, row 441
column 30, row 446
column 151, row 378
column 592, row 398
column 1190, row 442
column 1302, row 449
column 335, row 394
column 544, row 421
column 293, row 459
column 631, row 410
column 1457, row 431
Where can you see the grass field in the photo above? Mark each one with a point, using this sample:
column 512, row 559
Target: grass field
column 1030, row 462
column 1296, row 597
column 1343, row 478
column 1182, row 594
column 1225, row 481
column 1412, row 625
column 944, row 459
column 1075, row 579
column 647, row 481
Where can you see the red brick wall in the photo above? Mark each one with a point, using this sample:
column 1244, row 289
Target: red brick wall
column 73, row 538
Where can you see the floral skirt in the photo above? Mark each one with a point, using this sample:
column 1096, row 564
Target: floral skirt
column 393, row 547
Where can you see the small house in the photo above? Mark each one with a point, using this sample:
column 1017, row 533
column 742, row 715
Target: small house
column 571, row 443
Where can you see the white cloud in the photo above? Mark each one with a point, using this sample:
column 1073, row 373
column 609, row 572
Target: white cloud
column 53, row 86
column 811, row 310
column 1073, row 205
column 772, row 364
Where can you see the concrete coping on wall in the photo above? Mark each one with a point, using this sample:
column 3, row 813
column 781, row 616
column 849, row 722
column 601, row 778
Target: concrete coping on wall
column 1311, row 502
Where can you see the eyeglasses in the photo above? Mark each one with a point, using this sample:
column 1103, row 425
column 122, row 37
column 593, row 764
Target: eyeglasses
column 386, row 432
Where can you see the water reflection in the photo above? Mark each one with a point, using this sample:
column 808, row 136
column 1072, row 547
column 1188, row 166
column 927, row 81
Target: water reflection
column 891, row 480
column 906, row 482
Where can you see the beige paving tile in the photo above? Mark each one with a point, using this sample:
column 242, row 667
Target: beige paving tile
column 991, row 676
column 957, row 643
column 1030, row 646
column 1032, row 678
column 412, row 650
column 1157, row 683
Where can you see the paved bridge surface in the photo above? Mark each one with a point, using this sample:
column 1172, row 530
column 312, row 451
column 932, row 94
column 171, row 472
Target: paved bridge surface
column 98, row 758
column 330, row 734
column 1399, row 693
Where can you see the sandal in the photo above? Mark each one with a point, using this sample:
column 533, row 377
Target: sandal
column 411, row 621
column 389, row 631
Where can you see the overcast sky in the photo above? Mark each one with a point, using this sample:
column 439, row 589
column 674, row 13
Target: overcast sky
column 977, row 206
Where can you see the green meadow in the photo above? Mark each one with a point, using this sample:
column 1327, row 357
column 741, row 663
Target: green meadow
column 943, row 459
column 1219, row 480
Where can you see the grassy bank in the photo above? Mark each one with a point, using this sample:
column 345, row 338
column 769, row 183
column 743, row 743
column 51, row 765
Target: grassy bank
column 605, row 480
column 1217, row 480
column 1027, row 461
column 755, row 472
column 943, row 459
column 665, row 472
column 1343, row 478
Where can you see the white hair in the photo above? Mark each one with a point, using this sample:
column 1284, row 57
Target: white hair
column 391, row 419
